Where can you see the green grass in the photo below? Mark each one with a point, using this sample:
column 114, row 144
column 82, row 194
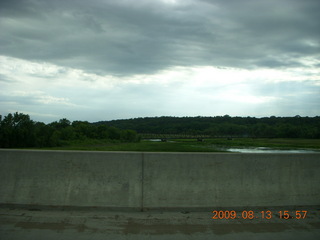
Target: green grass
column 145, row 146
column 188, row 145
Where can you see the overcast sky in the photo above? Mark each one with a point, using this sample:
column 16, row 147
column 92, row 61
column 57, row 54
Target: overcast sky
column 114, row 59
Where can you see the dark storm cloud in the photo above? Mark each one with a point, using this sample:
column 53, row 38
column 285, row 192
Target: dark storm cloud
column 132, row 37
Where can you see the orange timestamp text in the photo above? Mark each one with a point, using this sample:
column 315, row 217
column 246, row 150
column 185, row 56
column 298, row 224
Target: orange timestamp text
column 266, row 214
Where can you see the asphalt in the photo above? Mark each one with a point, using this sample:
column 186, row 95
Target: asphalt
column 17, row 223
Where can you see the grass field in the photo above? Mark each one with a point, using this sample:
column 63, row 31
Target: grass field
column 190, row 145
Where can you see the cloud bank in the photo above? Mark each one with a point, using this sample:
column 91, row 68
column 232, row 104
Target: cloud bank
column 101, row 60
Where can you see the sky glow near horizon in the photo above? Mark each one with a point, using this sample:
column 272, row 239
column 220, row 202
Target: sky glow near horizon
column 103, row 60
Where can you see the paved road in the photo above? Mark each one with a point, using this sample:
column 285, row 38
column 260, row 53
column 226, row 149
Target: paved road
column 98, row 224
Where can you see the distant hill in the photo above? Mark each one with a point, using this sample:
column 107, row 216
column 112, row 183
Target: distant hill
column 276, row 127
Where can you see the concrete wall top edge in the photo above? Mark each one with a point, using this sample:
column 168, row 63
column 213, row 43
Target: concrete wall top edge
column 164, row 153
column 63, row 151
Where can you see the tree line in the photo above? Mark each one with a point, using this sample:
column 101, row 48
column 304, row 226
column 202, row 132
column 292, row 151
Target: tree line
column 266, row 127
column 18, row 130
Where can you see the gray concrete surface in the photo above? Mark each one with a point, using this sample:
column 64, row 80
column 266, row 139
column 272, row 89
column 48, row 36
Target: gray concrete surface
column 133, row 180
column 130, row 195
column 70, row 178
column 24, row 224
column 174, row 180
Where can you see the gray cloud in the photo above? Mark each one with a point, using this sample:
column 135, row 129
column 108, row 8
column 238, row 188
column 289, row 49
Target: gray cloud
column 122, row 37
column 100, row 60
column 5, row 79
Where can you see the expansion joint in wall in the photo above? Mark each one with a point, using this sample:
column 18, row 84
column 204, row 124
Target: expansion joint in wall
column 142, row 182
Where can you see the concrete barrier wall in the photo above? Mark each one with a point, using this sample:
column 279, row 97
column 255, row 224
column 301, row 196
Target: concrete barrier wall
column 158, row 180
column 70, row 178
column 230, row 180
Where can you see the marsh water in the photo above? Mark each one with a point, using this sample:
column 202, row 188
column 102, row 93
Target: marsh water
column 254, row 149
column 268, row 150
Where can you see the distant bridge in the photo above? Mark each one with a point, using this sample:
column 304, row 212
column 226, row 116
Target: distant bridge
column 199, row 137
column 165, row 137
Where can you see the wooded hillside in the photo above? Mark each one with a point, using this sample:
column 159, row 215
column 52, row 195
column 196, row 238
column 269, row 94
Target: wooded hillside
column 270, row 127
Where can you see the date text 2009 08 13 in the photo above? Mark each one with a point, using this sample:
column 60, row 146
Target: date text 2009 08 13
column 266, row 214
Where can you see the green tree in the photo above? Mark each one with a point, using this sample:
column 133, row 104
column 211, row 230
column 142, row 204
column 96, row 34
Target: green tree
column 129, row 135
column 17, row 130
column 114, row 133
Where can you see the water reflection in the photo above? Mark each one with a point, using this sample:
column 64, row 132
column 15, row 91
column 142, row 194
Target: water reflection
column 269, row 150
